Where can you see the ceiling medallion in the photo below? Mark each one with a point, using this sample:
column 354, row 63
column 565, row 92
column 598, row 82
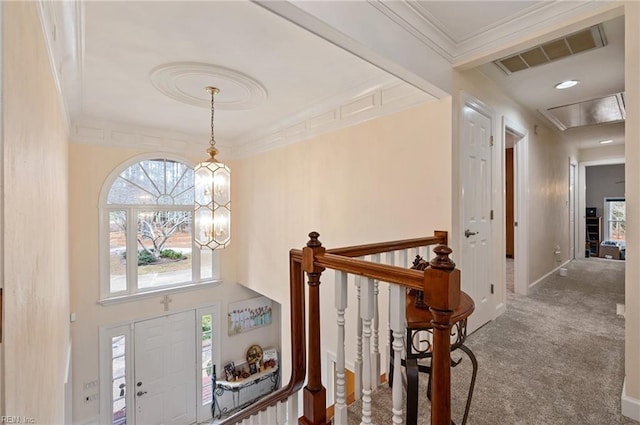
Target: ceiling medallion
column 183, row 81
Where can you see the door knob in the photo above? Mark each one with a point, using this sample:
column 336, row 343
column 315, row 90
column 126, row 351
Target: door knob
column 469, row 233
column 140, row 393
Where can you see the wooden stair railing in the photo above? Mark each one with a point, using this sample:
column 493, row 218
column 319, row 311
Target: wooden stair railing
column 440, row 284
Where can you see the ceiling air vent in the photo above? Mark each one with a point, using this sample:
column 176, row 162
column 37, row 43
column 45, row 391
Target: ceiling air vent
column 581, row 41
column 602, row 110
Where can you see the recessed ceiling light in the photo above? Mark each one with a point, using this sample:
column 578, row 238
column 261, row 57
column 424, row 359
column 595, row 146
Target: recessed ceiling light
column 566, row 84
column 604, row 142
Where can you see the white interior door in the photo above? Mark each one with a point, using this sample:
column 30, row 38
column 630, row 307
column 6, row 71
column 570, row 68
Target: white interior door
column 476, row 220
column 165, row 370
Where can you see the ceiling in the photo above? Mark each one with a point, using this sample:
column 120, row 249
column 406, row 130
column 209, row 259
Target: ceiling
column 134, row 73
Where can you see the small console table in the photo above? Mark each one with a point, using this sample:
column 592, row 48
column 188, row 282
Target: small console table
column 243, row 393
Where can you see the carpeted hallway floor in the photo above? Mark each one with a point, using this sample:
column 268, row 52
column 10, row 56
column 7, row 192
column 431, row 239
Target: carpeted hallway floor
column 555, row 357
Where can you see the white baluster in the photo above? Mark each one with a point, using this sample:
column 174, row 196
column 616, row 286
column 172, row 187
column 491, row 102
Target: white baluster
column 358, row 364
column 340, row 407
column 263, row 417
column 403, row 260
column 375, row 353
column 391, row 258
column 292, row 410
column 367, row 315
column 281, row 413
column 397, row 322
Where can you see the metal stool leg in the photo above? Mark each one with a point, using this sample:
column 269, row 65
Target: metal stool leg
column 474, row 362
column 391, row 358
column 412, row 390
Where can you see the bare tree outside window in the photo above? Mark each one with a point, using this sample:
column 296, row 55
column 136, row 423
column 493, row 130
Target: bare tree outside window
column 150, row 213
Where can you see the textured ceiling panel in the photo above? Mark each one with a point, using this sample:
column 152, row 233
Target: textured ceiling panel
column 602, row 110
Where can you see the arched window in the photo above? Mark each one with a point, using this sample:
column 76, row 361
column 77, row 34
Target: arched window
column 147, row 211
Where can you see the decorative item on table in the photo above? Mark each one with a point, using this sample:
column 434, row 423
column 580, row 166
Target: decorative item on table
column 229, row 371
column 241, row 374
column 254, row 354
column 270, row 358
column 253, row 368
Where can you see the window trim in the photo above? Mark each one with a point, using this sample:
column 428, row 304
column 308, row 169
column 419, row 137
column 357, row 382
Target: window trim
column 132, row 292
column 203, row 413
column 607, row 211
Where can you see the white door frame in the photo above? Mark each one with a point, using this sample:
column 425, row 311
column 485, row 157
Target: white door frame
column 521, row 207
column 581, row 184
column 577, row 249
column 127, row 329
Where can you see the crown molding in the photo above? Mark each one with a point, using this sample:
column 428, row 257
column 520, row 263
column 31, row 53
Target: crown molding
column 63, row 27
column 362, row 106
column 546, row 21
column 356, row 27
column 105, row 133
column 416, row 20
column 374, row 103
column 409, row 15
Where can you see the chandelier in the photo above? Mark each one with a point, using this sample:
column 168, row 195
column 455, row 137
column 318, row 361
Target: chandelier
column 212, row 214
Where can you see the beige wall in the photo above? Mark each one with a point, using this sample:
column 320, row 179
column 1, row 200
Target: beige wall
column 89, row 166
column 385, row 179
column 548, row 174
column 632, row 177
column 36, row 254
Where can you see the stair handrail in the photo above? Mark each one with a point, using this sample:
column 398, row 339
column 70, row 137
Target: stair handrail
column 440, row 284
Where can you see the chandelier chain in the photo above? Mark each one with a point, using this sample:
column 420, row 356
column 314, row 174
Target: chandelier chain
column 212, row 142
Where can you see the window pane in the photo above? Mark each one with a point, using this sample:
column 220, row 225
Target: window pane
column 155, row 181
column 616, row 225
column 117, row 346
column 117, row 251
column 164, row 248
column 206, row 264
column 118, row 374
column 207, row 361
column 124, row 191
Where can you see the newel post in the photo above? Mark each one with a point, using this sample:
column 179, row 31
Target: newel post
column 314, row 394
column 442, row 281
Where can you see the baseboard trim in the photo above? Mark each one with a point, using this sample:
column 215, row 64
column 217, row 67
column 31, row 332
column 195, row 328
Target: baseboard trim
column 630, row 405
column 531, row 285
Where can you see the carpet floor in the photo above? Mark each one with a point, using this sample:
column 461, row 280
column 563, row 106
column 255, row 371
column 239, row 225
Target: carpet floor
column 555, row 357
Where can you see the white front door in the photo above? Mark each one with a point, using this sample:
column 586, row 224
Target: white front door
column 165, row 370
column 476, row 221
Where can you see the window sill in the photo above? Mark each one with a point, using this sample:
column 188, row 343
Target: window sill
column 118, row 299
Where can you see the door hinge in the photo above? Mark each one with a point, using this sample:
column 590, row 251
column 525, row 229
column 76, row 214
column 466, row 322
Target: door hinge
column 492, row 288
column 491, row 215
column 491, row 141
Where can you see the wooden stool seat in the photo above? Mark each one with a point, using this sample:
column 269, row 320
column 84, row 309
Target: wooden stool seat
column 420, row 317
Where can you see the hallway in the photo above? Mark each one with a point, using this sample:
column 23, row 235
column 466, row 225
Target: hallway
column 554, row 358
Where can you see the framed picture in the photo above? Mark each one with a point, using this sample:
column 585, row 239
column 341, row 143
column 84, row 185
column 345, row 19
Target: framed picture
column 229, row 371
column 244, row 316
